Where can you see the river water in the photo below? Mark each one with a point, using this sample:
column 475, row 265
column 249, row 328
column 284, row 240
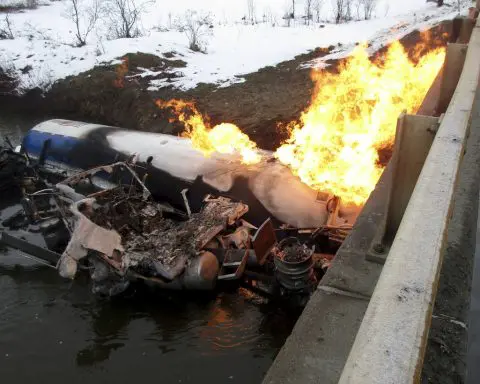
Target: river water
column 56, row 331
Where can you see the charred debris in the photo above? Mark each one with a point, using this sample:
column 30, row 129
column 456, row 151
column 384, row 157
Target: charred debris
column 104, row 222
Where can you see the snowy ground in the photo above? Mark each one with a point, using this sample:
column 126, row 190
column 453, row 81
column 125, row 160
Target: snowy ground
column 43, row 49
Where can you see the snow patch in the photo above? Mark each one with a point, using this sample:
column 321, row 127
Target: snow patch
column 44, row 51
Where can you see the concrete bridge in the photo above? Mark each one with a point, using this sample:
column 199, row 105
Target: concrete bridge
column 394, row 306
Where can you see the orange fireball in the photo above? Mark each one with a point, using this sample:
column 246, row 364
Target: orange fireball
column 222, row 138
column 333, row 148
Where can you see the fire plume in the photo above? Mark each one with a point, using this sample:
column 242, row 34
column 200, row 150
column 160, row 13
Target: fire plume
column 121, row 71
column 222, row 138
column 333, row 147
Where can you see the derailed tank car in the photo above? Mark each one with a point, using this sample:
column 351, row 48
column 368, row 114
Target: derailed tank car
column 173, row 165
column 137, row 206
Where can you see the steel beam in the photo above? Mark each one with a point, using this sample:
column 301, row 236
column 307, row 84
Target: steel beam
column 35, row 251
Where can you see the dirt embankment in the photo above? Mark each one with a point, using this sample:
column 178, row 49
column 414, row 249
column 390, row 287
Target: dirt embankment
column 114, row 95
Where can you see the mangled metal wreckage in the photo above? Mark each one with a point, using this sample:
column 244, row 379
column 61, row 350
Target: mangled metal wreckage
column 160, row 213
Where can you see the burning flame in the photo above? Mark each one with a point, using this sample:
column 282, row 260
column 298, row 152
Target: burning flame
column 121, row 71
column 222, row 138
column 333, row 148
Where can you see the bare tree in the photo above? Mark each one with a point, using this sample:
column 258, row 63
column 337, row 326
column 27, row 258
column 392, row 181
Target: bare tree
column 348, row 10
column 358, row 6
column 387, row 9
column 287, row 16
column 125, row 17
column 289, row 12
column 368, row 8
column 31, row 4
column 196, row 26
column 6, row 28
column 84, row 16
column 340, row 10
column 317, row 7
column 270, row 17
column 251, row 11
column 308, row 11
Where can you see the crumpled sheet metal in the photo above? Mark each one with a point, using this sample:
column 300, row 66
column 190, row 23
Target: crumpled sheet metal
column 87, row 236
column 170, row 249
column 75, row 179
column 167, row 250
column 214, row 218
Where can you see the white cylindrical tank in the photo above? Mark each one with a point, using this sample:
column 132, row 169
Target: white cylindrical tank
column 269, row 188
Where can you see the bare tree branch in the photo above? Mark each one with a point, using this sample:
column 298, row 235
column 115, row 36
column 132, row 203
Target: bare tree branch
column 251, row 11
column 196, row 27
column 317, row 6
column 340, row 10
column 289, row 14
column 6, row 29
column 368, row 8
column 308, row 11
column 125, row 17
column 348, row 10
column 84, row 17
column 31, row 4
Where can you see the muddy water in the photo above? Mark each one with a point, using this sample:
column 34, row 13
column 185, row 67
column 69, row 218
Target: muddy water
column 55, row 331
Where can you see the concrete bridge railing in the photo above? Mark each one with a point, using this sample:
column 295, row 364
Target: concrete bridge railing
column 390, row 344
column 369, row 319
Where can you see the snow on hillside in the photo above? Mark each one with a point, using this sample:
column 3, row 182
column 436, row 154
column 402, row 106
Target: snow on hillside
column 238, row 38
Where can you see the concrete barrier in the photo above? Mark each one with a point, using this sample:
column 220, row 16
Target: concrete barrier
column 390, row 343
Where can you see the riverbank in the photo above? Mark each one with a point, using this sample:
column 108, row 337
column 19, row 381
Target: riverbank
column 118, row 95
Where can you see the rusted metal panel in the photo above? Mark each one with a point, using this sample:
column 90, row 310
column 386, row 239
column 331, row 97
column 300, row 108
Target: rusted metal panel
column 263, row 241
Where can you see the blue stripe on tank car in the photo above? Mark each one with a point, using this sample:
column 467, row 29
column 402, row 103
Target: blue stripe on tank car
column 60, row 145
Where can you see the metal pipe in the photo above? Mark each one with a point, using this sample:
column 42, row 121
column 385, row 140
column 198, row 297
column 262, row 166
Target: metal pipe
column 200, row 274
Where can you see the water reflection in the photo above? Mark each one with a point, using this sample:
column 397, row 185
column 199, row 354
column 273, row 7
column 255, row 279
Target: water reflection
column 202, row 324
